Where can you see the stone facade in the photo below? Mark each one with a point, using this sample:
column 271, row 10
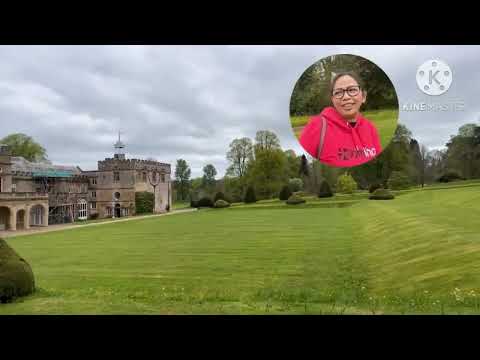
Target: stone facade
column 30, row 197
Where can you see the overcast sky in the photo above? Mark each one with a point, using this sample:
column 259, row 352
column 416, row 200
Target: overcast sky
column 190, row 102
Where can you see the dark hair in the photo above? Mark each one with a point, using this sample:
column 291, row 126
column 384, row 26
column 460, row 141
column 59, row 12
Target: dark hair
column 352, row 74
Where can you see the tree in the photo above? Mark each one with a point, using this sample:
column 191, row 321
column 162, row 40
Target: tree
column 303, row 171
column 423, row 163
column 239, row 154
column 182, row 178
column 346, row 184
column 398, row 180
column 268, row 172
column 209, row 173
column 24, row 146
column 266, row 140
column 293, row 163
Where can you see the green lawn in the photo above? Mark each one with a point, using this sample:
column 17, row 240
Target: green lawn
column 419, row 253
column 384, row 120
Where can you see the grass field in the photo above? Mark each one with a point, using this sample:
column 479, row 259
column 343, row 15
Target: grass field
column 419, row 253
column 385, row 121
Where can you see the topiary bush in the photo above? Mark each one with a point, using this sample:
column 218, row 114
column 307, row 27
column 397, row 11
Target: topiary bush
column 220, row 204
column 295, row 184
column 374, row 187
column 285, row 193
column 250, row 196
column 295, row 200
column 16, row 276
column 219, row 196
column 93, row 216
column 381, row 194
column 193, row 203
column 144, row 202
column 346, row 184
column 325, row 190
column 399, row 181
column 205, row 202
column 449, row 176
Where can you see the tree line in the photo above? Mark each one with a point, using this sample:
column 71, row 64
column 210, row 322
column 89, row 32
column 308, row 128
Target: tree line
column 262, row 164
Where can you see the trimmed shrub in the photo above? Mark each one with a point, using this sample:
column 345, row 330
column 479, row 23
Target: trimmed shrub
column 219, row 204
column 325, row 190
column 193, row 203
column 346, row 184
column 16, row 276
column 285, row 193
column 144, row 202
column 449, row 176
column 250, row 196
column 301, row 193
column 219, row 196
column 295, row 184
column 381, row 194
column 399, row 181
column 94, row 216
column 205, row 202
column 374, row 187
column 295, row 200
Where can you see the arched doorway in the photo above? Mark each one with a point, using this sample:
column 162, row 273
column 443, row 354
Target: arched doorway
column 4, row 218
column 36, row 215
column 117, row 210
column 21, row 219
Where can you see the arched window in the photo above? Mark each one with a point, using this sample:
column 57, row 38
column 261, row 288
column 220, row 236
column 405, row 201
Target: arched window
column 82, row 209
column 116, row 196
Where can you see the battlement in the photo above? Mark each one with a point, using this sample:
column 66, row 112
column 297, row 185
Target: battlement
column 131, row 164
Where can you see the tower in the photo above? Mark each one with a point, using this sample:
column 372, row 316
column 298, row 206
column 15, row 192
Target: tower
column 119, row 149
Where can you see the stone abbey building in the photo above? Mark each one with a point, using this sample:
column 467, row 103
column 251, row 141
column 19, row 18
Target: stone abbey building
column 39, row 194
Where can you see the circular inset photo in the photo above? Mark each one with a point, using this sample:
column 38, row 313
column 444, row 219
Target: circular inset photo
column 344, row 110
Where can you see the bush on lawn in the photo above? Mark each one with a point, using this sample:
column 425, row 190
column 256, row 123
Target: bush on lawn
column 374, row 187
column 219, row 196
column 449, row 176
column 219, row 204
column 381, row 194
column 346, row 184
column 295, row 184
column 205, row 202
column 250, row 196
column 325, row 190
column 94, row 216
column 285, row 193
column 16, row 276
column 295, row 200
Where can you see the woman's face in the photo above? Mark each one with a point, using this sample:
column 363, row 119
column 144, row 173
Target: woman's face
column 347, row 97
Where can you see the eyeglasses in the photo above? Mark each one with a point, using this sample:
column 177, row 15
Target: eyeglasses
column 351, row 91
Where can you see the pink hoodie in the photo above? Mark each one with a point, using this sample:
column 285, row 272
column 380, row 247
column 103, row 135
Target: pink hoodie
column 344, row 145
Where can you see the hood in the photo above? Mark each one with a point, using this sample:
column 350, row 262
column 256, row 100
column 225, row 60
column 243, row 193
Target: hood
column 335, row 119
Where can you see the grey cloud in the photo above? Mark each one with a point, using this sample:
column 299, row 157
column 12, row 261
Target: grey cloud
column 190, row 102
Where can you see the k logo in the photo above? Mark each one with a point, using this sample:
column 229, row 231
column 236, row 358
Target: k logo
column 434, row 77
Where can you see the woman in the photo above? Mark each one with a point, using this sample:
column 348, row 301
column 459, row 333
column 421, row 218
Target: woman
column 340, row 135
